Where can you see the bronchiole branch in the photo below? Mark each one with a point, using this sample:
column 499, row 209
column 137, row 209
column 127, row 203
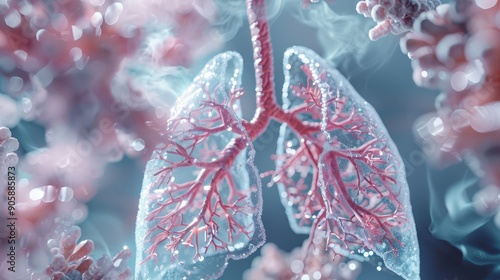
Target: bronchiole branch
column 195, row 208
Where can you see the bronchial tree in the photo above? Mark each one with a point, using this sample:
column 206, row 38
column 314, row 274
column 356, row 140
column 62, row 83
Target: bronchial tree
column 339, row 174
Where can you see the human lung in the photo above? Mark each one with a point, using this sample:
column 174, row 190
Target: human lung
column 201, row 200
column 345, row 179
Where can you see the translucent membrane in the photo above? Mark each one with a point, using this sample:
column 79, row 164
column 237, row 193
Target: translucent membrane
column 201, row 197
column 361, row 178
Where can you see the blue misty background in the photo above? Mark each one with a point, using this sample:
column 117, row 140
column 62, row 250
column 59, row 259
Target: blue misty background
column 383, row 78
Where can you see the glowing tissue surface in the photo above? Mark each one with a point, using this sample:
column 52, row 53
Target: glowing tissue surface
column 201, row 203
column 359, row 199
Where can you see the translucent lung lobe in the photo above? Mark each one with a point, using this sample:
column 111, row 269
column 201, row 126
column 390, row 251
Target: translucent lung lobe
column 360, row 173
column 295, row 177
column 201, row 202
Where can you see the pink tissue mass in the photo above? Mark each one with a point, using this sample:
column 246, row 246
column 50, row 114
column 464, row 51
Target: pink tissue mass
column 97, row 96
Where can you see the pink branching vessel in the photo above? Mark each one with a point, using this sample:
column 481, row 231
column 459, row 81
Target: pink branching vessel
column 339, row 173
